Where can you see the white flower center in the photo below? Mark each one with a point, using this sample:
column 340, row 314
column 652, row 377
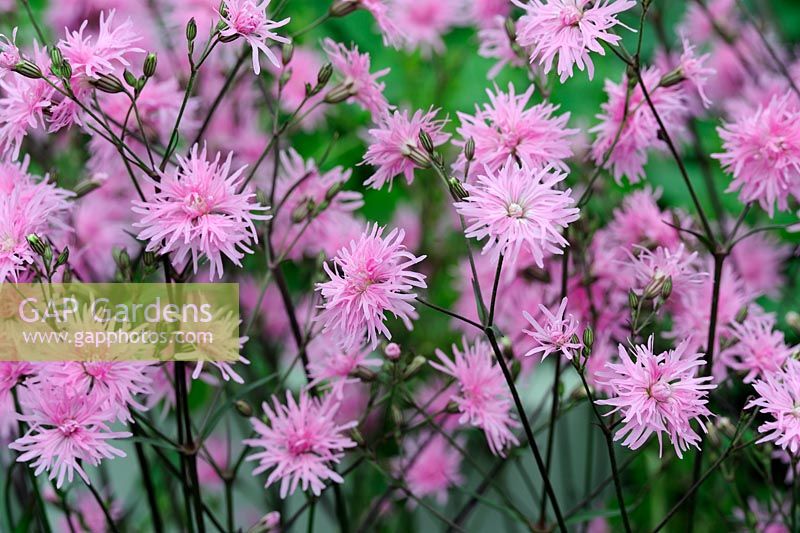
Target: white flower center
column 515, row 210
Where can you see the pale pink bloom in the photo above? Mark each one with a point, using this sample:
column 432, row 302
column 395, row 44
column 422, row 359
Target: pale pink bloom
column 555, row 332
column 198, row 211
column 90, row 55
column 504, row 128
column 640, row 130
column 569, row 29
column 424, row 22
column 204, row 13
column 641, row 221
column 300, row 442
column 763, row 276
column 430, row 466
column 379, row 9
column 23, row 102
column 65, row 429
column 162, row 386
column 658, row 394
column 779, row 400
column 393, row 139
column 9, row 53
column 303, row 69
column 120, row 383
column 760, row 350
column 495, row 44
column 369, row 278
column 519, row 207
column 302, row 186
column 12, row 373
column 653, row 268
column 248, row 19
column 269, row 523
column 693, row 68
column 355, row 69
column 336, row 366
column 762, row 152
column 483, row 398
column 485, row 12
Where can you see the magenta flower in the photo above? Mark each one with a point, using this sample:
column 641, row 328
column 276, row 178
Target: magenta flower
column 368, row 279
column 65, row 429
column 569, row 29
column 505, row 128
column 483, row 398
column 762, row 152
column 779, row 400
column 393, row 140
column 90, row 55
column 658, row 394
column 555, row 332
column 519, row 207
column 355, row 68
column 760, row 350
column 248, row 19
column 430, row 466
column 300, row 442
column 9, row 53
column 198, row 211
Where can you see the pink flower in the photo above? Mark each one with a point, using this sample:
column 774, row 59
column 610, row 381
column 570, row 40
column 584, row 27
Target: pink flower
column 368, row 279
column 640, row 129
column 765, row 275
column 65, row 429
column 430, row 466
column 658, row 394
column 652, row 269
column 12, row 373
column 779, row 400
column 495, row 44
column 519, row 207
column 392, row 351
column 354, row 66
column 760, row 350
column 424, row 22
column 379, row 9
column 504, row 128
column 762, row 152
column 23, row 102
column 198, row 211
column 9, row 53
column 485, row 12
column 335, row 366
column 693, row 70
column 300, row 443
column 90, row 56
column 393, row 140
column 248, row 19
column 483, row 398
column 570, row 29
column 555, row 333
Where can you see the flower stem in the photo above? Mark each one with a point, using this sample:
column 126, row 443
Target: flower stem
column 147, row 479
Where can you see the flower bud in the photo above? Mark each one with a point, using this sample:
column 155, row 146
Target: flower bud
column 417, row 156
column 426, row 142
column 36, row 243
column 397, row 416
column 392, row 351
column 516, row 368
column 150, row 64
column 191, row 30
column 56, row 59
column 63, row 257
column 66, row 275
column 457, row 190
column 335, row 189
column 633, row 300
column 287, row 51
column 324, row 75
column 129, row 78
column 85, row 187
column 511, row 29
column 47, row 256
column 588, row 337
column 339, row 94
column 341, row 8
column 66, row 70
column 414, row 366
column 302, row 211
column 666, row 289
column 149, row 258
column 28, row 69
column 108, row 83
column 469, row 149
column 452, row 407
column 356, row 435
column 672, row 78
column 741, row 316
column 123, row 259
column 244, row 408
column 364, row 374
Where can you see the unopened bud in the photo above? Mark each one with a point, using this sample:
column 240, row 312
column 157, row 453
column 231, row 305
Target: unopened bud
column 672, row 78
column 56, row 59
column 123, row 259
column 666, row 289
column 793, row 320
column 191, row 30
column 397, row 416
column 426, row 142
column 452, row 407
column 511, row 29
column 364, row 374
column 457, row 190
column 66, row 70
column 417, row 156
column 633, row 300
column 741, row 316
column 108, row 83
column 85, row 187
column 588, row 337
column 392, row 351
column 469, row 149
column 244, row 408
column 36, row 244
column 339, row 94
column 324, row 76
column 47, row 256
column 28, row 69
column 63, row 257
column 516, row 368
column 287, row 51
column 302, row 211
column 632, row 77
column 357, row 437
column 341, row 8
column 150, row 64
column 335, row 189
column 414, row 366
column 66, row 275
column 149, row 258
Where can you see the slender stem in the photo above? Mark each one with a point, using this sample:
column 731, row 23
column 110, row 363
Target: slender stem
column 449, row 313
column 225, row 87
column 27, row 5
column 497, row 274
column 103, row 506
column 548, row 487
column 794, row 493
column 552, row 432
column 147, row 479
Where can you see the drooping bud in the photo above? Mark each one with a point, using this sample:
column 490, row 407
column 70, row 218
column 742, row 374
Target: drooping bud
column 63, row 257
column 28, row 69
column 426, row 142
column 414, row 366
column 108, row 83
column 457, row 190
column 469, row 149
column 150, row 64
column 244, row 408
column 287, row 51
column 36, row 243
column 341, row 8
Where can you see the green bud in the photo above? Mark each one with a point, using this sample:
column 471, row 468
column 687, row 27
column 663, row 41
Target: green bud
column 666, row 289
column 261, row 197
column 516, row 368
column 123, row 259
column 452, row 407
column 339, row 94
column 414, row 366
column 129, row 78
column 85, row 187
column 244, row 408
column 357, row 437
column 469, row 149
column 63, row 257
column 150, row 64
column 36, row 244
column 66, row 275
column 334, row 190
column 66, row 70
column 457, row 190
column 227, row 38
column 302, row 211
column 426, row 141
column 47, row 256
column 588, row 337
column 324, row 76
column 108, row 83
column 149, row 258
column 633, row 300
column 28, row 69
column 511, row 29
column 55, row 57
column 287, row 52
column 672, row 78
column 397, row 416
column 191, row 30
column 741, row 316
column 341, row 8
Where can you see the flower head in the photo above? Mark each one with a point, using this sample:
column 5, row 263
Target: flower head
column 300, row 442
column 555, row 332
column 569, row 29
column 519, row 207
column 760, row 349
column 694, row 70
column 430, row 466
column 658, row 394
column 90, row 55
column 424, row 22
column 368, row 279
column 379, row 9
column 496, row 44
column 65, row 429
column 9, row 53
column 198, row 211
column 505, row 128
column 762, row 152
column 248, row 19
column 482, row 398
column 331, row 364
column 354, row 67
column 395, row 140
column 653, row 268
column 779, row 399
